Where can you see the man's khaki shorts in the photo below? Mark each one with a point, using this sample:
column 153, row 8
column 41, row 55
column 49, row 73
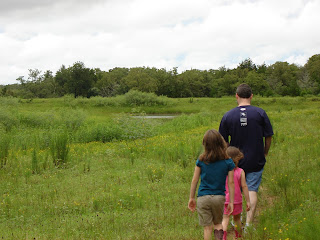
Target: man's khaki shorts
column 210, row 209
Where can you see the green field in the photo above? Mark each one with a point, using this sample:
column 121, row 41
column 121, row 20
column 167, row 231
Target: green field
column 86, row 169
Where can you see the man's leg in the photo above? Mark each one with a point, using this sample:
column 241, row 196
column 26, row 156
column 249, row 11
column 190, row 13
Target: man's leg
column 253, row 204
column 253, row 180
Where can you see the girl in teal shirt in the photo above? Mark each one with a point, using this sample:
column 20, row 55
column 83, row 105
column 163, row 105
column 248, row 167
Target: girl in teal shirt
column 213, row 166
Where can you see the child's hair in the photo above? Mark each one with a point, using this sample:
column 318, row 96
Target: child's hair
column 214, row 147
column 235, row 154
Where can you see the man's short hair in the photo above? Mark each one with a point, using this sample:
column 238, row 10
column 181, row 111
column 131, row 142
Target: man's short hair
column 244, row 91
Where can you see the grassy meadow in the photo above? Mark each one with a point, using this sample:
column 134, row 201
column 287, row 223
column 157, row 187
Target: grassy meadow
column 87, row 169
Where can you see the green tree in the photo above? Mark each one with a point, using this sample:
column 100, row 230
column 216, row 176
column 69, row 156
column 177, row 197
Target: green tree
column 62, row 76
column 193, row 83
column 247, row 64
column 139, row 79
column 258, row 83
column 282, row 78
column 172, row 83
column 313, row 69
column 32, row 86
column 49, row 85
column 306, row 84
column 113, row 82
column 165, row 83
column 81, row 80
column 225, row 86
column 262, row 69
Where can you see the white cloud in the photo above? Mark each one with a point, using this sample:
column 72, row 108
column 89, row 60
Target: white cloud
column 186, row 34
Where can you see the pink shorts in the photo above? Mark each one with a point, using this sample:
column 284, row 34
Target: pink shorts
column 237, row 209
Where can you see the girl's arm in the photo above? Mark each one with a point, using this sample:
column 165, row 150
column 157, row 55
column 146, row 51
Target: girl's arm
column 194, row 183
column 231, row 191
column 245, row 189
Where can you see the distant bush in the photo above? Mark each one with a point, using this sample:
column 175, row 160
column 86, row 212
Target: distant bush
column 9, row 101
column 107, row 101
column 105, row 132
column 38, row 119
column 135, row 128
column 131, row 98
column 72, row 119
column 8, row 119
column 137, row 98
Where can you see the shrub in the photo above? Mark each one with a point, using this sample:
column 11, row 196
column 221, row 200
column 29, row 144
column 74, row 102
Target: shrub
column 7, row 119
column 108, row 101
column 34, row 119
column 9, row 101
column 134, row 128
column 106, row 132
column 137, row 98
column 72, row 119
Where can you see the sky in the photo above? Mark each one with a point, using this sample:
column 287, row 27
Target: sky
column 187, row 34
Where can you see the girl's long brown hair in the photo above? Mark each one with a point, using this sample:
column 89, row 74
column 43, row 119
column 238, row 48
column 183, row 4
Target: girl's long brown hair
column 214, row 147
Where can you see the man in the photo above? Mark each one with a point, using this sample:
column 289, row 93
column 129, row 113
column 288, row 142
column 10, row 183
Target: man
column 250, row 130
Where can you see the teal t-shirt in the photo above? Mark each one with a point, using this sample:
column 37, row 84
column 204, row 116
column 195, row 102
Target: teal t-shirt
column 213, row 177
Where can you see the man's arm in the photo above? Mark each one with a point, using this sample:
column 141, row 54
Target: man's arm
column 267, row 144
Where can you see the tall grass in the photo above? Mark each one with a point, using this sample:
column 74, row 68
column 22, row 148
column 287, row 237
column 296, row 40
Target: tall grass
column 4, row 149
column 59, row 148
column 8, row 119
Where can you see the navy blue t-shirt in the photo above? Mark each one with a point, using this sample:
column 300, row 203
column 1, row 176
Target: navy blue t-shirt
column 247, row 126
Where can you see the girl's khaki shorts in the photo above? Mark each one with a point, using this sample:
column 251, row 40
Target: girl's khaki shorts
column 210, row 209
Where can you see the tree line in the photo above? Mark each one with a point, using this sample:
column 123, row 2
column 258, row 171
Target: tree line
column 278, row 79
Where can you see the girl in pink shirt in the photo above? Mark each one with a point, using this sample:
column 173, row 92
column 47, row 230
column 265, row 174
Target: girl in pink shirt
column 239, row 183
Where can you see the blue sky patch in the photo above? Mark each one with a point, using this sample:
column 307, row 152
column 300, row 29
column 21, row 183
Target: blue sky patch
column 181, row 57
column 189, row 21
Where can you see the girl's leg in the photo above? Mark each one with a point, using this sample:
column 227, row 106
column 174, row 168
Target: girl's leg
column 225, row 223
column 207, row 235
column 238, row 225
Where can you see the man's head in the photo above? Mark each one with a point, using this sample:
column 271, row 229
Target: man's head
column 244, row 91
